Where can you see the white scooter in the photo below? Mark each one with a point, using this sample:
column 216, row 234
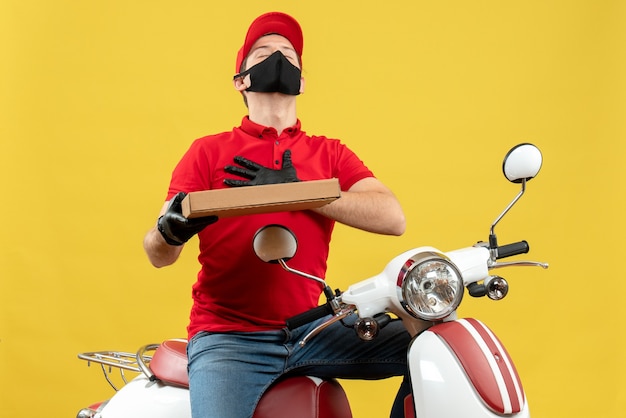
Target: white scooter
column 457, row 367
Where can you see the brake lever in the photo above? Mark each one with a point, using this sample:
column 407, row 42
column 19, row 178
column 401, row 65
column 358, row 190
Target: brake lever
column 341, row 314
column 499, row 264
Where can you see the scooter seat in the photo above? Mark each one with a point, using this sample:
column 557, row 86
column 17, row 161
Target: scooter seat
column 304, row 397
column 169, row 363
column 297, row 396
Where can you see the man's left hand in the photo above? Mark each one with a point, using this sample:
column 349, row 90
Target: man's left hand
column 258, row 174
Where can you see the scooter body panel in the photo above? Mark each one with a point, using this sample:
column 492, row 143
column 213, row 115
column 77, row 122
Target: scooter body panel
column 459, row 372
column 142, row 398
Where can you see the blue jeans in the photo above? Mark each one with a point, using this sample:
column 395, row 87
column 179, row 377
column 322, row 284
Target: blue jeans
column 229, row 372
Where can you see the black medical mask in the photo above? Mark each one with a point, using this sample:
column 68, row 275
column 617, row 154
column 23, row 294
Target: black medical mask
column 275, row 74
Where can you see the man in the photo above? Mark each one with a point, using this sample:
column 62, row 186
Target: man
column 238, row 344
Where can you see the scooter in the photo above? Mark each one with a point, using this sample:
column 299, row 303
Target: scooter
column 457, row 366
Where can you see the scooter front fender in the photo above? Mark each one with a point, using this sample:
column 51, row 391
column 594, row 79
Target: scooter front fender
column 460, row 369
column 141, row 398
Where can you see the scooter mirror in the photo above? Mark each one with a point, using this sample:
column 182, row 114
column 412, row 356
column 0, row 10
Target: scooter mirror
column 522, row 162
column 274, row 242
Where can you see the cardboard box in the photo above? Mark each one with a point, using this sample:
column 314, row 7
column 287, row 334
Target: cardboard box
column 247, row 200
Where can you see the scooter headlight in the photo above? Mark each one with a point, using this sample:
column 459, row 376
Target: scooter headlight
column 430, row 286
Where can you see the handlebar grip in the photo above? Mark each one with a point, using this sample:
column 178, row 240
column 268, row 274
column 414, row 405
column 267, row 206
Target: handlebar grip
column 515, row 248
column 309, row 316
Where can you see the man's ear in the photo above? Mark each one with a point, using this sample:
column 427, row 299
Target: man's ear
column 302, row 85
column 242, row 83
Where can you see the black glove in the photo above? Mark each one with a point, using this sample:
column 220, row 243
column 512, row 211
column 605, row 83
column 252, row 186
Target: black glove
column 261, row 175
column 175, row 228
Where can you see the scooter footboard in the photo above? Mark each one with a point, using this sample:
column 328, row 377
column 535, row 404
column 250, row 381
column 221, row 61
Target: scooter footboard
column 460, row 368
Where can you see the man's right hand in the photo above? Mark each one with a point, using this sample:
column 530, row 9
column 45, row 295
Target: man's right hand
column 175, row 228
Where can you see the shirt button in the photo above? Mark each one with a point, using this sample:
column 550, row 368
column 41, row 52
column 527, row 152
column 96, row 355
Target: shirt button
column 277, row 143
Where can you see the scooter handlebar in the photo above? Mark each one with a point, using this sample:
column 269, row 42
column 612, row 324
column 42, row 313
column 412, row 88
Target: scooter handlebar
column 515, row 248
column 309, row 316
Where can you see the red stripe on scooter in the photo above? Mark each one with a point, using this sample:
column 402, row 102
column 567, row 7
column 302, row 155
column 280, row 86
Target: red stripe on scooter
column 478, row 353
column 505, row 364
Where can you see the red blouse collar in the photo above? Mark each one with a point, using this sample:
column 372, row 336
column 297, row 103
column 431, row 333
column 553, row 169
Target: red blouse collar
column 260, row 131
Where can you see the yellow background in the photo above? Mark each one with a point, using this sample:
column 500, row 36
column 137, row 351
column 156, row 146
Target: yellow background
column 99, row 99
